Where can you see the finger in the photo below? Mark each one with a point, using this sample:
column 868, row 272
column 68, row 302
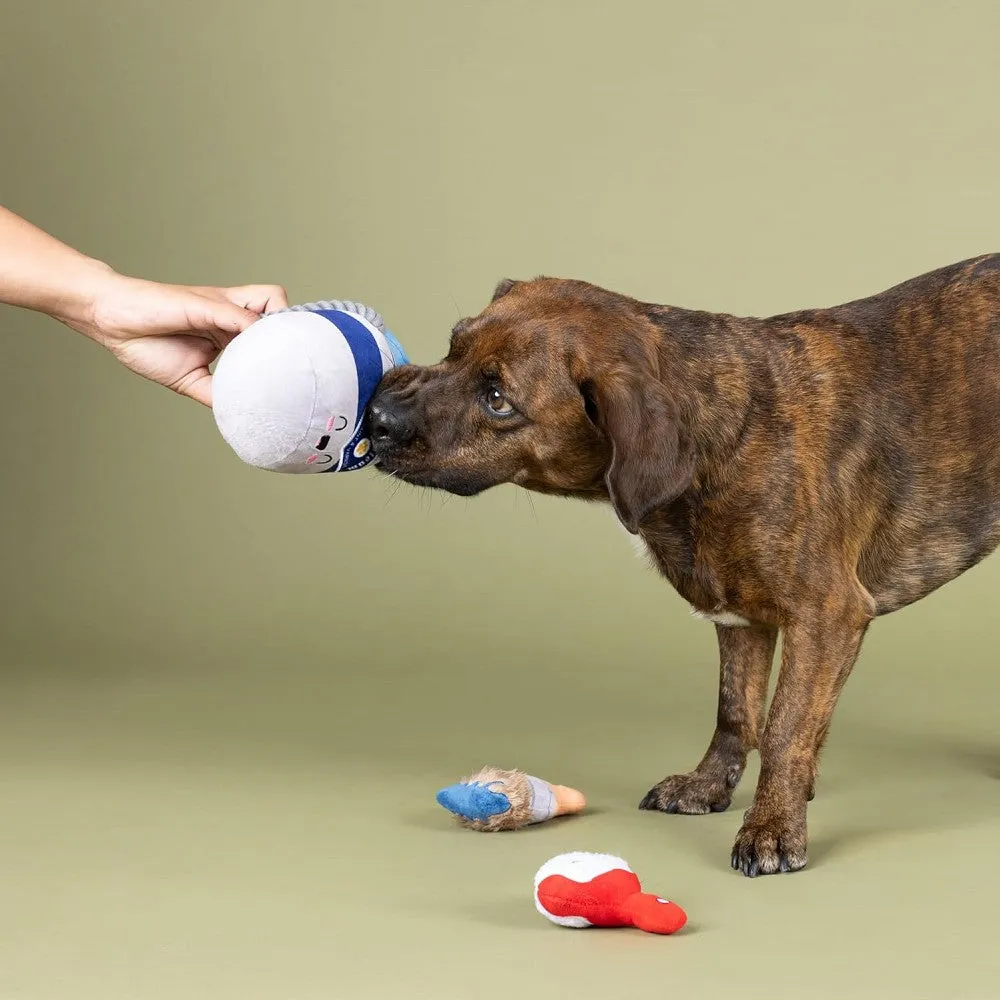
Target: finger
column 196, row 385
column 220, row 317
column 259, row 298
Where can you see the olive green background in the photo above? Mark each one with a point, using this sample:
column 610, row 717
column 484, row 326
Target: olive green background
column 228, row 697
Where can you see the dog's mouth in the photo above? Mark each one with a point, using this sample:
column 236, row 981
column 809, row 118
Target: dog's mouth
column 449, row 482
column 459, row 482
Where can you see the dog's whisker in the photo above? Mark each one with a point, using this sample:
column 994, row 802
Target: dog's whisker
column 393, row 491
column 531, row 504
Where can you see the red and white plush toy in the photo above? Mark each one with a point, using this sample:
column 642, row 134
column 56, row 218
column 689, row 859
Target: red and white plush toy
column 600, row 890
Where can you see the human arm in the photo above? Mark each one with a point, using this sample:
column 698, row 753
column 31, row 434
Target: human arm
column 166, row 333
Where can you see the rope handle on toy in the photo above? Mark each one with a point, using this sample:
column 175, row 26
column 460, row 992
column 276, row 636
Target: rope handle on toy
column 336, row 305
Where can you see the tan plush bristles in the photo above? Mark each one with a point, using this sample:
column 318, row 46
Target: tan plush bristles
column 517, row 788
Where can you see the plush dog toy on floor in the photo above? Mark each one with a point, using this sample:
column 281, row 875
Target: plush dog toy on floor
column 600, row 890
column 493, row 799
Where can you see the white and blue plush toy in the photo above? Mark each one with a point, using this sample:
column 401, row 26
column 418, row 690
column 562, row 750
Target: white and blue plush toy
column 289, row 393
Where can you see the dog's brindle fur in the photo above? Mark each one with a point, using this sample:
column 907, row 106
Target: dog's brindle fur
column 803, row 473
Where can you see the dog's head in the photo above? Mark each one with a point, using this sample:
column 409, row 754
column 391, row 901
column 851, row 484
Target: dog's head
column 555, row 386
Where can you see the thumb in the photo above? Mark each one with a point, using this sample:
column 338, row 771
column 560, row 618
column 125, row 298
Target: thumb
column 221, row 317
column 196, row 385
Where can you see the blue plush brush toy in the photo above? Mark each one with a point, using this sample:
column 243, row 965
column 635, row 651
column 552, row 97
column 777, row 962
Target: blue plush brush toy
column 493, row 799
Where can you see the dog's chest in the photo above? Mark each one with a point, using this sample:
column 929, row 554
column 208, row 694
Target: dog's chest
column 672, row 555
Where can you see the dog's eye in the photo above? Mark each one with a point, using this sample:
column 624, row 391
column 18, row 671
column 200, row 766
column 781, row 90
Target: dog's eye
column 497, row 404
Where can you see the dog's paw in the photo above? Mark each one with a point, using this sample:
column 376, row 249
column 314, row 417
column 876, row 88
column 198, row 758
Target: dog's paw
column 766, row 848
column 693, row 794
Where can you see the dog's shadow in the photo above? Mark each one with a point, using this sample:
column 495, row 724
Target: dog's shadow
column 889, row 784
column 934, row 783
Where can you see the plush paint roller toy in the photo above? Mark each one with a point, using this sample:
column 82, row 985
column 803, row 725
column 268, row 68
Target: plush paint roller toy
column 493, row 799
column 289, row 393
column 600, row 890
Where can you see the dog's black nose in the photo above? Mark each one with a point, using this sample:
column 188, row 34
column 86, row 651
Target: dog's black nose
column 389, row 423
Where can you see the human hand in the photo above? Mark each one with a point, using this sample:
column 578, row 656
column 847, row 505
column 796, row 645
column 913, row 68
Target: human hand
column 170, row 333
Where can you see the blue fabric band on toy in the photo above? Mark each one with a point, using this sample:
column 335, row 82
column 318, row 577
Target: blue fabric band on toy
column 357, row 453
column 368, row 364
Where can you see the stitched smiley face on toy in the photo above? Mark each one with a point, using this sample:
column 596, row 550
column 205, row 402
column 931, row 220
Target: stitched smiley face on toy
column 322, row 457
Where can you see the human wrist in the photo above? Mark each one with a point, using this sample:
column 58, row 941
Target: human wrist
column 75, row 300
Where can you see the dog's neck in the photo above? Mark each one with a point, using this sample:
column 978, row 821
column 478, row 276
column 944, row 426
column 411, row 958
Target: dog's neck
column 712, row 365
column 715, row 367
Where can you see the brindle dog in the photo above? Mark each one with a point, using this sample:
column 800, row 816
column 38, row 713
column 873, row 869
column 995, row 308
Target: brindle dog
column 803, row 473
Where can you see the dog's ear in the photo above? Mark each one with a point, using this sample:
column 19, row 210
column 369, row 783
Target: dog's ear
column 503, row 288
column 652, row 460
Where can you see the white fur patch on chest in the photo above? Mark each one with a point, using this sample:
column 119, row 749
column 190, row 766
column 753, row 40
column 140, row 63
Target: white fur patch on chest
column 720, row 616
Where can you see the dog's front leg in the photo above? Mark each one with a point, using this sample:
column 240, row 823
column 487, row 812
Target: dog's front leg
column 818, row 650
column 745, row 656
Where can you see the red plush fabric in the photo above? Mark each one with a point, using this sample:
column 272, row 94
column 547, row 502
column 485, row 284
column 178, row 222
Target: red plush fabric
column 614, row 899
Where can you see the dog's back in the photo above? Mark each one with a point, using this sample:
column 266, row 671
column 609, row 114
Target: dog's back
column 895, row 404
